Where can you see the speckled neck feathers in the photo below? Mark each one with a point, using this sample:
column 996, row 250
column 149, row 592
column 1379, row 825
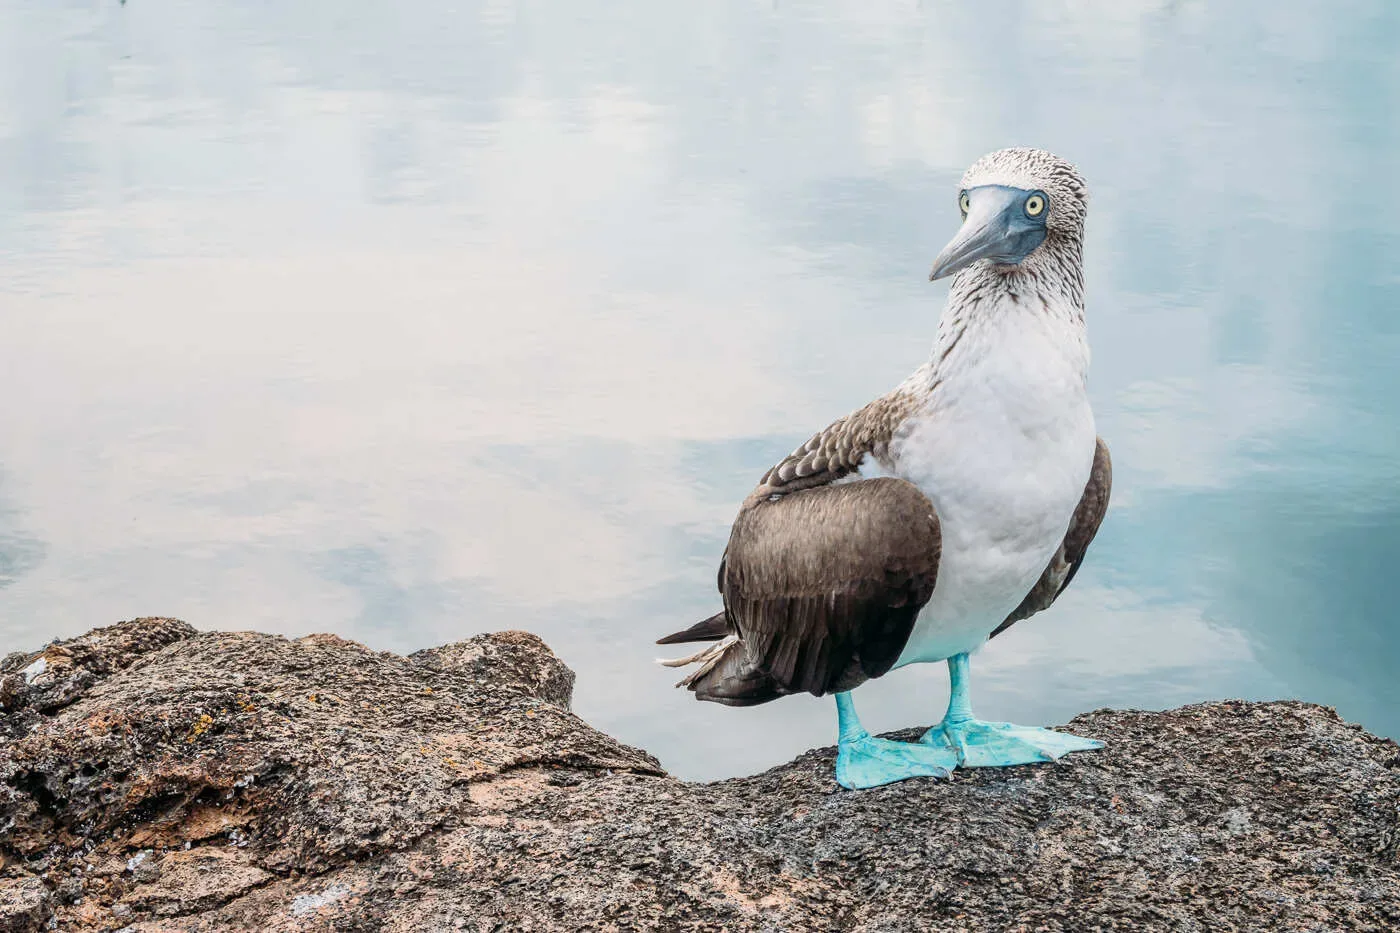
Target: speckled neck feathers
column 1046, row 291
column 1048, row 284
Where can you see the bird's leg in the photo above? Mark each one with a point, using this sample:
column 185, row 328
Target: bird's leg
column 979, row 744
column 863, row 760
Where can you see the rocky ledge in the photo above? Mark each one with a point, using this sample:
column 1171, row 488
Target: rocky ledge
column 155, row 778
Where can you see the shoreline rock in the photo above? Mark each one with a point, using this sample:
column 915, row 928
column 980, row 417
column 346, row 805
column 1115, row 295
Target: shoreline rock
column 156, row 778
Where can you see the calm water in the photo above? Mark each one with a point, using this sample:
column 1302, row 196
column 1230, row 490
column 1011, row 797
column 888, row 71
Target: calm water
column 324, row 317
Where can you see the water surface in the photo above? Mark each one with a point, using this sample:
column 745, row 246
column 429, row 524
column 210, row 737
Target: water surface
column 412, row 326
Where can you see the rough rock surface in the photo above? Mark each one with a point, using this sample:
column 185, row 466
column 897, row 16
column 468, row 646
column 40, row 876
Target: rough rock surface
column 153, row 778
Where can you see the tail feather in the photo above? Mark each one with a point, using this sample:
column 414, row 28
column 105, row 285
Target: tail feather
column 707, row 659
column 707, row 653
column 734, row 679
column 711, row 629
column 726, row 674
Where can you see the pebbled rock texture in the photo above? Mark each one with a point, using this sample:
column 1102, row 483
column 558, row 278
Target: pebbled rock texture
column 154, row 778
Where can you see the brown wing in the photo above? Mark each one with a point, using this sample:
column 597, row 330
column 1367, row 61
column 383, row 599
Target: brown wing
column 1088, row 515
column 839, row 450
column 821, row 583
column 822, row 588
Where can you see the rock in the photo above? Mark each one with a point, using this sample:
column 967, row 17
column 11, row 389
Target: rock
column 153, row 778
column 194, row 880
column 518, row 659
column 24, row 904
column 63, row 672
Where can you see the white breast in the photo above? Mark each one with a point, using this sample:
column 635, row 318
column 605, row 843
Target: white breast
column 1003, row 449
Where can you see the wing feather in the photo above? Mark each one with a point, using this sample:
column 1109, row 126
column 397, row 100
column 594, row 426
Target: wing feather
column 821, row 581
column 840, row 449
column 823, row 585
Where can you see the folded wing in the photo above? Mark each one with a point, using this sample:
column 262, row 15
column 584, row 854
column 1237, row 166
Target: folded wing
column 821, row 588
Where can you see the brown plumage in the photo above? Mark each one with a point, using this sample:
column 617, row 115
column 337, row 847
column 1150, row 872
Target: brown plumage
column 821, row 587
column 840, row 449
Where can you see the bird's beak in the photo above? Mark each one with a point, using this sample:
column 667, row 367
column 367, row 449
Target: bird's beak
column 996, row 228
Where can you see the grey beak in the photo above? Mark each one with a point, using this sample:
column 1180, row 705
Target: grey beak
column 996, row 228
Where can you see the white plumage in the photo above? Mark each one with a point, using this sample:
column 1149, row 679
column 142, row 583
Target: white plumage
column 1003, row 449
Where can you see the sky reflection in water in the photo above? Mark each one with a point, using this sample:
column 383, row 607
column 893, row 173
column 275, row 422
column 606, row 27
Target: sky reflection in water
column 412, row 328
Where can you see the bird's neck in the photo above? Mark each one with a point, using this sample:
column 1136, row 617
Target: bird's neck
column 1044, row 294
column 1052, row 277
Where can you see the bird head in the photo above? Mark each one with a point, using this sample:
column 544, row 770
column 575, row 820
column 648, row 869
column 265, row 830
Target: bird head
column 1013, row 203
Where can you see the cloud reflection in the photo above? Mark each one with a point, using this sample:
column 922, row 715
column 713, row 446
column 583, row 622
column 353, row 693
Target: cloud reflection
column 413, row 327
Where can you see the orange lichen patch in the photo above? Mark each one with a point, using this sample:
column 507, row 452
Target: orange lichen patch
column 201, row 726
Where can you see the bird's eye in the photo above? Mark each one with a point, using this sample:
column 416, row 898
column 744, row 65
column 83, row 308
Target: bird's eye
column 1035, row 205
column 964, row 203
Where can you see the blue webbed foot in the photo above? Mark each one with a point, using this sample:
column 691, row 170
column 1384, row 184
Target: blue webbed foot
column 866, row 761
column 978, row 744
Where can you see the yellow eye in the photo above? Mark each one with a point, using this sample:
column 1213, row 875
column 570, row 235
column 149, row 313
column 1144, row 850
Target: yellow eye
column 964, row 203
column 1035, row 205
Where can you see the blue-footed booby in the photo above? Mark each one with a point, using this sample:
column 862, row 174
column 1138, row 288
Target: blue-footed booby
column 939, row 515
